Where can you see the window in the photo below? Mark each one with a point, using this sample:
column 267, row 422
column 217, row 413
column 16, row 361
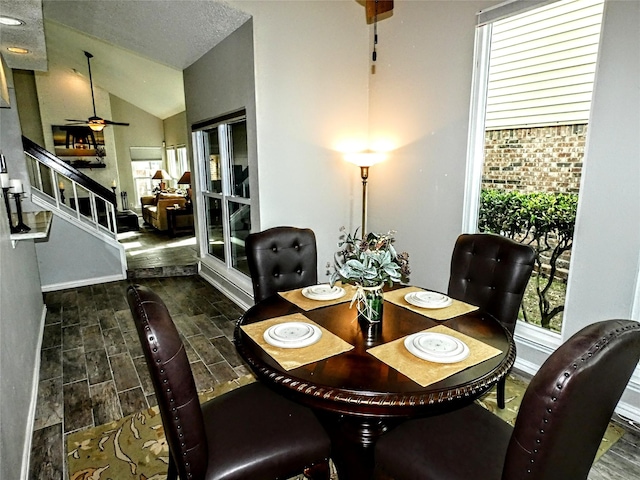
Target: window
column 145, row 161
column 532, row 87
column 177, row 162
column 221, row 148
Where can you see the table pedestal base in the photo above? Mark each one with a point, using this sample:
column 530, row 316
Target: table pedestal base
column 353, row 440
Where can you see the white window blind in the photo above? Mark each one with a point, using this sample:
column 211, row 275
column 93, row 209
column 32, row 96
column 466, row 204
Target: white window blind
column 542, row 65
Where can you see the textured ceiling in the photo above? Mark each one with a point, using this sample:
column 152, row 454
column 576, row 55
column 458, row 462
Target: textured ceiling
column 29, row 36
column 140, row 47
column 175, row 33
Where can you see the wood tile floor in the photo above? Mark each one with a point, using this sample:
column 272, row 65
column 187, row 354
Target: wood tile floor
column 92, row 367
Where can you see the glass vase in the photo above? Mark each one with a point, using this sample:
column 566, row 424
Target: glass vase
column 370, row 303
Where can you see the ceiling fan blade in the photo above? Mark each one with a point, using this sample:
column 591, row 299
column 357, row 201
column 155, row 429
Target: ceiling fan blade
column 74, row 120
column 109, row 122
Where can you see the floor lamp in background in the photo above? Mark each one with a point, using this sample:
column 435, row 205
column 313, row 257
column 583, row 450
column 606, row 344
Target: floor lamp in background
column 365, row 160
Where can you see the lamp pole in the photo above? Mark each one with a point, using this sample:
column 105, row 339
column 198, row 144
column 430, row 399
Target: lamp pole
column 364, row 173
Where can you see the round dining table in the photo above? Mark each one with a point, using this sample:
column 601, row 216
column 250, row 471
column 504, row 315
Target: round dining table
column 358, row 397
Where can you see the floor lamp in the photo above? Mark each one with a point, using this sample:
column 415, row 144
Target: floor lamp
column 364, row 160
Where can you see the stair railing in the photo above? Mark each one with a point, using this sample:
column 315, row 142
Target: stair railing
column 90, row 203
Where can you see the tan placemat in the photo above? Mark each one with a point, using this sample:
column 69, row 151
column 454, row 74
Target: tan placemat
column 425, row 373
column 290, row 358
column 455, row 309
column 296, row 297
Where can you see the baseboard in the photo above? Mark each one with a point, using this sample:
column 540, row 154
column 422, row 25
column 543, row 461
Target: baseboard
column 28, row 440
column 231, row 291
column 83, row 283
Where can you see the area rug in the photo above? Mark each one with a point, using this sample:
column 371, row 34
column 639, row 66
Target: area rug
column 134, row 448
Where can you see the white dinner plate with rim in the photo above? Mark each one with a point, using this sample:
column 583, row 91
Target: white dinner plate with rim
column 292, row 335
column 410, row 345
column 290, row 331
column 437, row 300
column 438, row 344
column 323, row 292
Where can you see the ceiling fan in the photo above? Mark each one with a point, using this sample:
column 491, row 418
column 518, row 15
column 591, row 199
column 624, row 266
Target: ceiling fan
column 95, row 123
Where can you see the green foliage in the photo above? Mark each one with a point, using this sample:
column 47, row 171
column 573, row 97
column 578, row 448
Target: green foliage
column 370, row 261
column 543, row 220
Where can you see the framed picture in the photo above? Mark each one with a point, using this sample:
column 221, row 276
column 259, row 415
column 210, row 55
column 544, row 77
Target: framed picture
column 77, row 141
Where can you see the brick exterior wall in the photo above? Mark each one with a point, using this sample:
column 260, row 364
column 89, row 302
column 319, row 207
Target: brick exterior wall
column 541, row 159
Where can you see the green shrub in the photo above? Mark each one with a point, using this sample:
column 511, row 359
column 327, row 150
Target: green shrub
column 543, row 220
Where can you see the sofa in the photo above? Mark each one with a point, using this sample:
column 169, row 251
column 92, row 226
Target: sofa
column 154, row 208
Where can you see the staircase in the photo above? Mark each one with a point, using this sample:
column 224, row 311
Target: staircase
column 70, row 194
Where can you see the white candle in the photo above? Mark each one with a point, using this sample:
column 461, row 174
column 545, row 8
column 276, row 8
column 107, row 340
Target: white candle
column 61, row 185
column 113, row 184
column 16, row 185
column 4, row 180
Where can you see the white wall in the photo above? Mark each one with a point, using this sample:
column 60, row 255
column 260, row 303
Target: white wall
column 420, row 97
column 22, row 314
column 311, row 75
column 604, row 265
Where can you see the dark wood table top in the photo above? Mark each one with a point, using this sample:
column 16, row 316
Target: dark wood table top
column 356, row 383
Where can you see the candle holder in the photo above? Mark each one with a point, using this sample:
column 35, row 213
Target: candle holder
column 5, row 194
column 20, row 227
column 62, row 195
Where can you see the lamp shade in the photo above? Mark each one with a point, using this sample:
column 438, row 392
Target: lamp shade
column 365, row 159
column 161, row 175
column 185, row 179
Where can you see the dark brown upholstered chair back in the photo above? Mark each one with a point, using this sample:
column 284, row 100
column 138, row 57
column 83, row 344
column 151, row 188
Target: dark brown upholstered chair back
column 569, row 402
column 172, row 381
column 249, row 432
column 492, row 272
column 281, row 258
column 560, row 424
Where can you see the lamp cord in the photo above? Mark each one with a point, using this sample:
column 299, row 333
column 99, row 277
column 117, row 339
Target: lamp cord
column 374, row 55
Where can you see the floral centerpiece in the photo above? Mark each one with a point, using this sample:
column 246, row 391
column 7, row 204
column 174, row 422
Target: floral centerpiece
column 369, row 263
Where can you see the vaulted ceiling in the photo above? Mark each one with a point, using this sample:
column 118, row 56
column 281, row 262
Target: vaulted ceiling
column 140, row 47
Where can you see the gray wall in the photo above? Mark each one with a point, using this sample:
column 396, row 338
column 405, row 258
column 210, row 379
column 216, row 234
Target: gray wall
column 21, row 319
column 176, row 131
column 91, row 260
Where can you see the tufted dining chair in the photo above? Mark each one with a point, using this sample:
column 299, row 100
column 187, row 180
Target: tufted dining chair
column 249, row 432
column 560, row 424
column 281, row 258
column 491, row 272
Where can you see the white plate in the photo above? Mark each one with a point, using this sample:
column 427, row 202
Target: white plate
column 292, row 335
column 323, row 292
column 428, row 300
column 290, row 331
column 433, row 356
column 437, row 344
